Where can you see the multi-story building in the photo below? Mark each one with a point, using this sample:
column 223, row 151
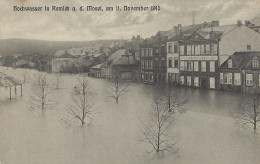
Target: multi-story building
column 147, row 60
column 206, row 49
column 241, row 72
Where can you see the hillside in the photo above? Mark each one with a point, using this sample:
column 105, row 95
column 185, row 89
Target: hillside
column 31, row 47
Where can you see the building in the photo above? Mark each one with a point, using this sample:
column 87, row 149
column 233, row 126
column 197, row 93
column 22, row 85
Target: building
column 24, row 64
column 95, row 71
column 254, row 23
column 241, row 72
column 205, row 50
column 64, row 63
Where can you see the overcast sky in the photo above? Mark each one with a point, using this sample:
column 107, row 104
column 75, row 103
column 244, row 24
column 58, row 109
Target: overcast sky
column 80, row 26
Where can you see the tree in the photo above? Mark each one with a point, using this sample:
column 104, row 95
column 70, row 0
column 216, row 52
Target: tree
column 58, row 80
column 157, row 131
column 117, row 88
column 248, row 110
column 82, row 106
column 41, row 97
column 174, row 99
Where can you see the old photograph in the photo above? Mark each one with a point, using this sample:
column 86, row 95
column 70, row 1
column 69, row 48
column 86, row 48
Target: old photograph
column 129, row 81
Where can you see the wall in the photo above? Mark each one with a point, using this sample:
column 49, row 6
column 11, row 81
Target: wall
column 237, row 40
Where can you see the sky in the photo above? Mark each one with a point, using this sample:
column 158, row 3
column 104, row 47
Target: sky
column 85, row 26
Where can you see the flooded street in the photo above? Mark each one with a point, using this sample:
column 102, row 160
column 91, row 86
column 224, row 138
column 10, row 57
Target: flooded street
column 208, row 133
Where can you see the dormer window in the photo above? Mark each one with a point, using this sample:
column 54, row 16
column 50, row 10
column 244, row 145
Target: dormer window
column 230, row 63
column 255, row 63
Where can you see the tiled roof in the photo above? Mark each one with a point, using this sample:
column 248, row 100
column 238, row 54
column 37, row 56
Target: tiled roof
column 126, row 60
column 242, row 59
column 116, row 56
column 221, row 29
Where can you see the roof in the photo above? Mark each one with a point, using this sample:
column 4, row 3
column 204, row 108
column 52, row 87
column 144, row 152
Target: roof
column 126, row 60
column 66, row 55
column 242, row 59
column 256, row 20
column 116, row 56
column 97, row 66
column 24, row 62
column 220, row 29
column 8, row 81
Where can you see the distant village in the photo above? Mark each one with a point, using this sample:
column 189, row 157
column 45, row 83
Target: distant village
column 206, row 55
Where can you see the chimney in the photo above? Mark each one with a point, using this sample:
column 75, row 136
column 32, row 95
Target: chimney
column 193, row 18
column 239, row 23
column 180, row 30
column 138, row 37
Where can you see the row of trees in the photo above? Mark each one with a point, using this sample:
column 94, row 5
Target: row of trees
column 157, row 131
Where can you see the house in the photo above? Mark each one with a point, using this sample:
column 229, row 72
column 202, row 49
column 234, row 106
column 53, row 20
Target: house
column 154, row 53
column 127, row 68
column 106, row 68
column 241, row 72
column 254, row 23
column 205, row 50
column 24, row 64
column 64, row 63
column 95, row 71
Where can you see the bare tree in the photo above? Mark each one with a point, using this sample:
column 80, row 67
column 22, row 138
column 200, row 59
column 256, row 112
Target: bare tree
column 157, row 131
column 174, row 99
column 248, row 110
column 117, row 89
column 58, row 80
column 41, row 97
column 83, row 105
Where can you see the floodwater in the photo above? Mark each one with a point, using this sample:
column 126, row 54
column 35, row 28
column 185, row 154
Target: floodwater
column 207, row 132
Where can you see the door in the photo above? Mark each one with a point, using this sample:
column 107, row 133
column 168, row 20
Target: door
column 204, row 82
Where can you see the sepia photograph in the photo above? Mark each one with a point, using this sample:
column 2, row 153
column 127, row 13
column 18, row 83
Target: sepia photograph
column 129, row 81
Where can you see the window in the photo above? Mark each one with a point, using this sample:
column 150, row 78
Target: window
column 151, row 64
column 170, row 62
column 163, row 58
column 212, row 82
column 228, row 78
column 189, row 80
column 181, row 50
column 142, row 64
column 185, row 50
column 146, row 76
column 146, row 64
column 221, row 78
column 212, row 66
column 248, row 47
column 203, row 49
column 182, row 67
column 176, row 49
column 156, row 58
column 182, row 80
column 213, row 48
column 237, row 79
column 197, row 50
column 189, row 66
column 176, row 62
column 230, row 63
column 203, row 66
column 169, row 47
column 249, row 79
column 189, row 50
column 151, row 76
column 196, row 81
column 142, row 52
column 259, row 80
column 207, row 49
column 146, row 52
column 150, row 51
column 196, row 66
column 157, row 50
column 142, row 77
column 255, row 63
